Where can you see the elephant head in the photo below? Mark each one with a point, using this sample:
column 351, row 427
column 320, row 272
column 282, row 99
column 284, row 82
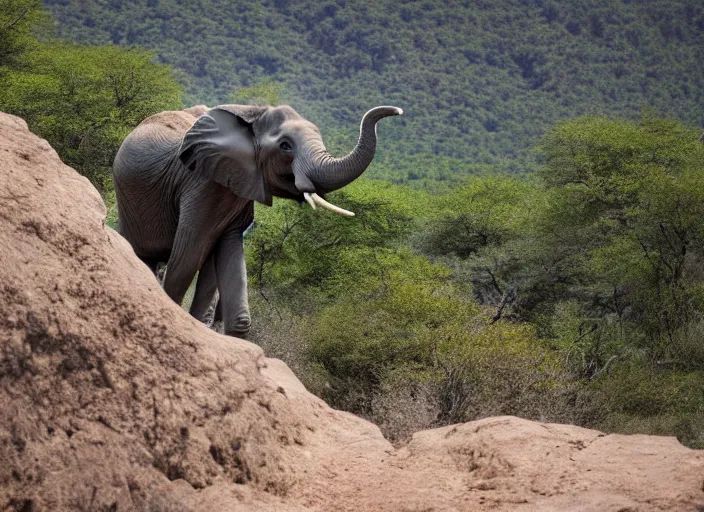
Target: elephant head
column 260, row 152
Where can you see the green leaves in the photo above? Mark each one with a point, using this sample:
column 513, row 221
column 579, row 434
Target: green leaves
column 85, row 100
column 264, row 93
column 377, row 316
column 294, row 246
column 486, row 211
column 628, row 198
column 19, row 19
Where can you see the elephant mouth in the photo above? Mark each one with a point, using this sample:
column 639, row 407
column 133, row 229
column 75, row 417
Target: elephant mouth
column 287, row 188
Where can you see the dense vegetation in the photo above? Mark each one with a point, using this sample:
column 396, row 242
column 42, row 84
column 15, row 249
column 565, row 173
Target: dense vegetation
column 577, row 296
column 83, row 99
column 573, row 294
column 479, row 81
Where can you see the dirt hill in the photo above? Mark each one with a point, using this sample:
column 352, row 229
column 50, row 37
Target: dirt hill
column 112, row 398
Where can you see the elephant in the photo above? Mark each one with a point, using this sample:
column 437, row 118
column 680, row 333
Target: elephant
column 186, row 181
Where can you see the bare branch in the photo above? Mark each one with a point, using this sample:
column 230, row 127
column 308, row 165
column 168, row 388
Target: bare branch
column 494, row 281
column 500, row 309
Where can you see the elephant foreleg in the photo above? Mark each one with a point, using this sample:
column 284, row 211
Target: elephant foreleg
column 206, row 287
column 232, row 283
column 191, row 247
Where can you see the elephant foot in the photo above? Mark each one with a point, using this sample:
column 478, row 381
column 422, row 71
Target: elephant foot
column 239, row 330
column 241, row 327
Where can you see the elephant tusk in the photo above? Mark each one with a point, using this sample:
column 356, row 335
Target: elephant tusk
column 322, row 202
column 309, row 199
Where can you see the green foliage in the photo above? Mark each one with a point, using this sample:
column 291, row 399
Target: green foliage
column 664, row 401
column 265, row 93
column 384, row 323
column 603, row 255
column 613, row 225
column 294, row 247
column 574, row 297
column 111, row 207
column 374, row 320
column 406, row 327
column 486, row 211
column 480, row 82
column 19, row 20
column 625, row 207
column 85, row 100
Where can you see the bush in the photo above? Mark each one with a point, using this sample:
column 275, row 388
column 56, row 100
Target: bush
column 419, row 356
column 635, row 398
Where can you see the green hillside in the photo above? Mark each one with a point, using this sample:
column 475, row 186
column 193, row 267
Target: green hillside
column 480, row 81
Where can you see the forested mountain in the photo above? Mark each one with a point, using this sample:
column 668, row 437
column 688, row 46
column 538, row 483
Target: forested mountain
column 479, row 81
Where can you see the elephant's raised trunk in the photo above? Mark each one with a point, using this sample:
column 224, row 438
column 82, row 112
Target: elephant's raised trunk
column 329, row 173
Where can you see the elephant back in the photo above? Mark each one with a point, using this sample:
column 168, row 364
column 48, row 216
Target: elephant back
column 154, row 140
column 177, row 121
column 152, row 144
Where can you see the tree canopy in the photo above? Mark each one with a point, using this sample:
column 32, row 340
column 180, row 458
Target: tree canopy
column 83, row 99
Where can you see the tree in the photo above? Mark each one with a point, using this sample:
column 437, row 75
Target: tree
column 626, row 203
column 19, row 19
column 297, row 251
column 84, row 100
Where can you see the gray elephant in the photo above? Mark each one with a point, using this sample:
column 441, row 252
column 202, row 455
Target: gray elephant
column 186, row 182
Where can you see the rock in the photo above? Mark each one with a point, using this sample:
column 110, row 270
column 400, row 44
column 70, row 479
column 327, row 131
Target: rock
column 113, row 398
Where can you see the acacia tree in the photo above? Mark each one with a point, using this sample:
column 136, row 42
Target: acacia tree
column 626, row 203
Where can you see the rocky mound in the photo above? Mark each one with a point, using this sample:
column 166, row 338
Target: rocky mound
column 112, row 398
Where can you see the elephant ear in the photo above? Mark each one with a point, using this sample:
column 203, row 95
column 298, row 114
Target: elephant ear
column 220, row 145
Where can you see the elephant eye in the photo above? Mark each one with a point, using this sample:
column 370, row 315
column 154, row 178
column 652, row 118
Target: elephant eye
column 286, row 146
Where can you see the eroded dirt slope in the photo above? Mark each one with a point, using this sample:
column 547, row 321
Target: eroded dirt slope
column 112, row 398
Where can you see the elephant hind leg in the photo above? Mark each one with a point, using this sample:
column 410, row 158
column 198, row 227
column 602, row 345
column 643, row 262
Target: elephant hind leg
column 206, row 290
column 232, row 283
column 217, row 323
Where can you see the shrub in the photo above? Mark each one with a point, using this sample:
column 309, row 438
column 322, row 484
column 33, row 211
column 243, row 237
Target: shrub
column 635, row 398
